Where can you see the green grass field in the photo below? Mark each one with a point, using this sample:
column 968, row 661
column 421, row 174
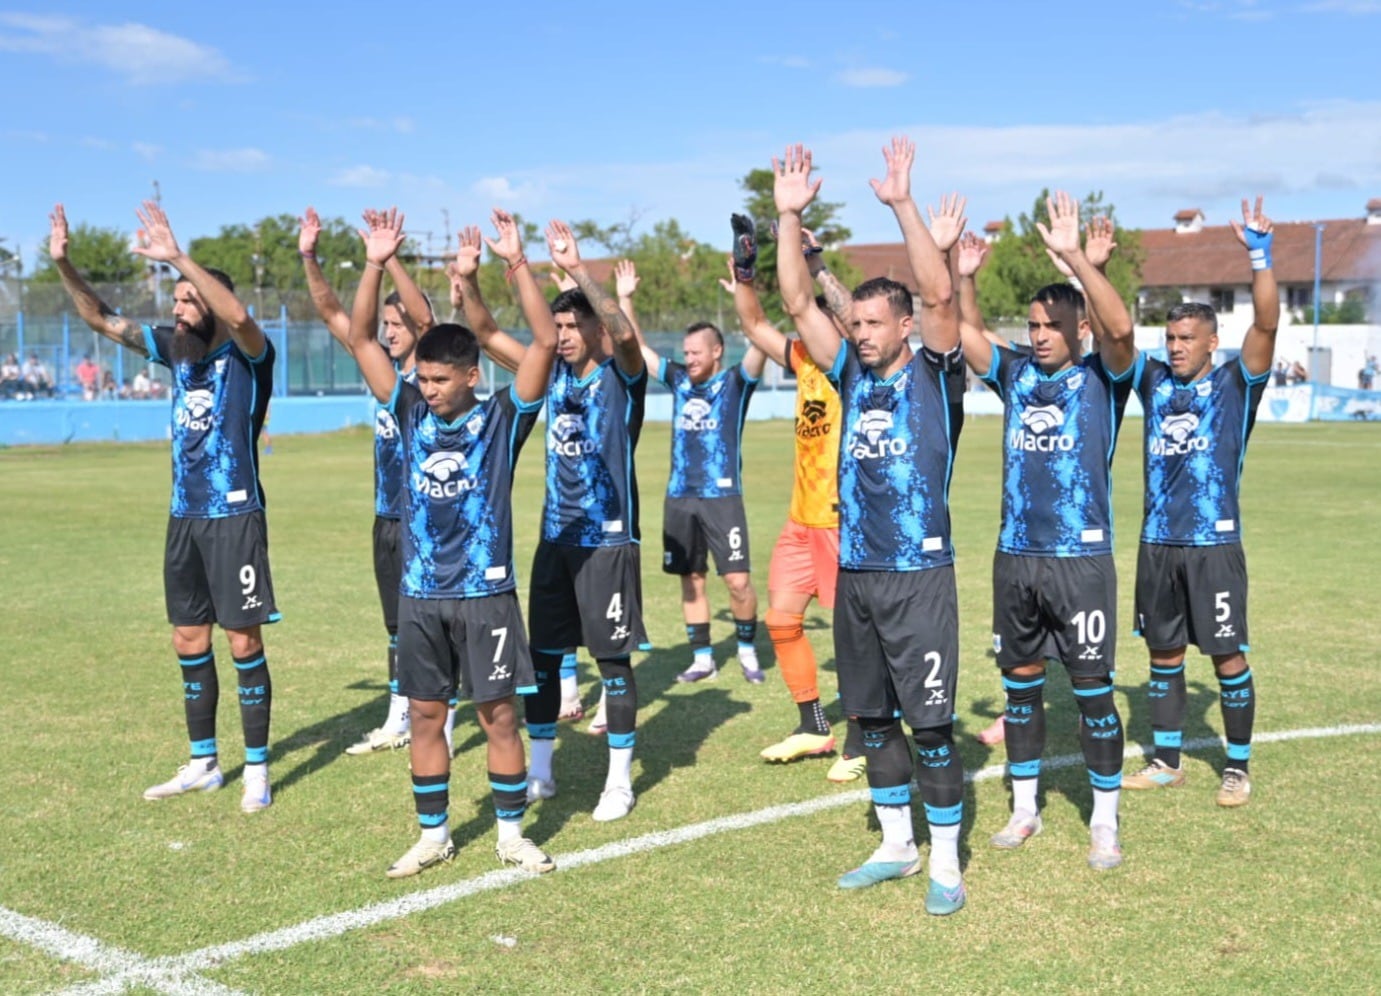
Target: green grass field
column 1281, row 895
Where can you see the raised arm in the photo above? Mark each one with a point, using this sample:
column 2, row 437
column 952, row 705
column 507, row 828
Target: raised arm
column 532, row 372
column 417, row 310
column 157, row 242
column 497, row 344
column 628, row 353
column 328, row 306
column 837, row 296
column 1108, row 315
column 95, row 312
column 1099, row 244
column 1256, row 233
column 969, row 257
column 626, row 282
column 743, row 273
column 381, row 242
column 925, row 253
column 793, row 190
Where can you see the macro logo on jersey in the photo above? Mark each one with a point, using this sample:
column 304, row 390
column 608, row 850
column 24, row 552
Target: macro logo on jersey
column 442, row 475
column 697, row 416
column 814, row 420
column 1178, row 436
column 385, row 425
column 815, row 489
column 873, row 437
column 567, row 436
column 194, row 410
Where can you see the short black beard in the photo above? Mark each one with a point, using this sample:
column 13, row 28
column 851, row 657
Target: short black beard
column 190, row 346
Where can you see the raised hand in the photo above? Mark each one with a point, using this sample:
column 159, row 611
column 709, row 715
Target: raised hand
column 626, row 278
column 509, row 245
column 810, row 245
column 1063, row 234
column 561, row 244
column 948, row 224
column 385, row 235
column 792, row 187
column 155, row 235
column 563, row 280
column 1098, row 241
column 1256, row 232
column 895, row 187
column 308, row 232
column 457, row 287
column 57, row 233
column 973, row 253
column 745, row 247
column 732, row 282
column 470, row 246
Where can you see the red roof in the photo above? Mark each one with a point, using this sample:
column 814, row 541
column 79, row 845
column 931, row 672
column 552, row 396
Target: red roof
column 882, row 259
column 1188, row 214
column 1213, row 257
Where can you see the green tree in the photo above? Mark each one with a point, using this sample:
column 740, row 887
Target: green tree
column 1018, row 265
column 822, row 218
column 1156, row 304
column 101, row 255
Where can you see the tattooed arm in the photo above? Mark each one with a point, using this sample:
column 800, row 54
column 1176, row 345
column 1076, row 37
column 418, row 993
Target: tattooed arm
column 628, row 352
column 95, row 312
column 837, row 297
column 328, row 306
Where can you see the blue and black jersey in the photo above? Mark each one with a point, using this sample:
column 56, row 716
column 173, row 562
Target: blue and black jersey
column 457, row 494
column 388, row 459
column 593, row 424
column 218, row 409
column 896, row 455
column 1196, row 440
column 706, row 430
column 1059, row 433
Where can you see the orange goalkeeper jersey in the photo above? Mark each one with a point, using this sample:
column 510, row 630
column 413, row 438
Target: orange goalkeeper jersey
column 815, row 494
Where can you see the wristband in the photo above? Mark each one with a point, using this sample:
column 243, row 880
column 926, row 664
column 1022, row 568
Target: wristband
column 1259, row 247
column 306, row 255
column 370, row 264
column 508, row 274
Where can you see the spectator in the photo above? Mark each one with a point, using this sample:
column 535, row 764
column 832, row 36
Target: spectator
column 1367, row 375
column 37, row 379
column 1281, row 373
column 10, row 377
column 109, row 389
column 1298, row 375
column 142, row 386
column 89, row 376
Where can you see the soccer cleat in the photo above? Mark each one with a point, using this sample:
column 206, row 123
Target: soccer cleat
column 572, row 710
column 698, row 672
column 379, row 739
column 1023, row 825
column 848, row 769
column 423, row 854
column 1235, row 790
column 525, row 854
column 994, row 733
column 540, row 788
column 257, row 795
column 797, row 746
column 942, row 901
column 187, row 779
column 1104, row 850
column 872, row 872
column 753, row 675
column 614, row 804
column 1155, row 775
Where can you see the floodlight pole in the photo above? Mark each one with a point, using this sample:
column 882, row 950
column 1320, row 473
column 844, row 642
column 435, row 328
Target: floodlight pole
column 1318, row 279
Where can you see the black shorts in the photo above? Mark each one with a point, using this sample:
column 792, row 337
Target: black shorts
column 1055, row 608
column 474, row 645
column 587, row 596
column 388, row 566
column 692, row 528
column 217, row 571
column 896, row 645
column 1192, row 594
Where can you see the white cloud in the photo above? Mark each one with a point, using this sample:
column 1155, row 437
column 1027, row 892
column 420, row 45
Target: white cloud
column 143, row 55
column 100, row 144
column 146, row 151
column 360, row 176
column 1343, row 7
column 502, row 191
column 231, row 160
column 402, row 124
column 872, row 77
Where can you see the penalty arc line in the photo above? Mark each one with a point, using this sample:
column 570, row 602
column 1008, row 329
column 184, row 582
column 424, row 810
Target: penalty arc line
column 175, row 975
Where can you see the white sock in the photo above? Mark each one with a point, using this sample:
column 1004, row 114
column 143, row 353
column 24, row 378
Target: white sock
column 896, row 825
column 1105, row 808
column 437, row 835
column 620, row 768
column 203, row 763
column 570, row 688
column 397, row 721
column 703, row 660
column 748, row 656
column 450, row 725
column 256, row 771
column 1024, row 794
column 510, row 830
column 539, row 759
column 944, row 855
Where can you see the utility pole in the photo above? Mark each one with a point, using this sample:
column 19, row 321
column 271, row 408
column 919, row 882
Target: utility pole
column 156, row 269
column 446, row 227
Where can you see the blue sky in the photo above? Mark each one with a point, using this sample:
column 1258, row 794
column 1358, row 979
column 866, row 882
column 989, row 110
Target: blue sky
column 605, row 110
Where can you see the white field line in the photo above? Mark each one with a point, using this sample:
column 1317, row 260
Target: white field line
column 177, row 975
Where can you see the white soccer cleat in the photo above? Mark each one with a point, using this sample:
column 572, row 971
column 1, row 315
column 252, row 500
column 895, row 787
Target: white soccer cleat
column 525, row 854
column 189, row 778
column 540, row 788
column 379, row 739
column 257, row 795
column 423, row 854
column 614, row 804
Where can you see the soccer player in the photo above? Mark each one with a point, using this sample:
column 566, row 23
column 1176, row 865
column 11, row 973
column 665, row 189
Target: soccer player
column 459, row 623
column 703, row 513
column 896, row 625
column 805, row 559
column 406, row 314
column 1191, row 574
column 586, row 587
column 215, row 562
column 1054, row 581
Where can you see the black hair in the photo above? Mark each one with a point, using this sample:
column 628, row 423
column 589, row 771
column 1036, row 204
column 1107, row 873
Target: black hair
column 449, row 343
column 1193, row 309
column 573, row 301
column 1060, row 294
column 694, row 327
column 220, row 276
column 897, row 295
